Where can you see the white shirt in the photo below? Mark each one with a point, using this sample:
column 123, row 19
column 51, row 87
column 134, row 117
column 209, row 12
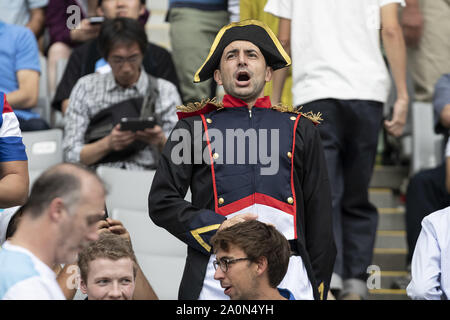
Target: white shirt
column 24, row 277
column 430, row 266
column 335, row 48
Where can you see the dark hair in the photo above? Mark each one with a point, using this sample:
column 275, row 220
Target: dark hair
column 257, row 240
column 13, row 223
column 60, row 181
column 110, row 246
column 121, row 30
column 100, row 2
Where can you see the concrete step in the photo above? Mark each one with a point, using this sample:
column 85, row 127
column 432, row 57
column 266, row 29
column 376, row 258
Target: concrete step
column 391, row 239
column 383, row 198
column 389, row 176
column 390, row 259
column 387, row 294
column 391, row 219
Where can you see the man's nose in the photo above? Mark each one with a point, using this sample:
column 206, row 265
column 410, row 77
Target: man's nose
column 219, row 274
column 115, row 292
column 242, row 58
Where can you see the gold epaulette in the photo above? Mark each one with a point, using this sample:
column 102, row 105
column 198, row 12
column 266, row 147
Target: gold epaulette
column 195, row 106
column 314, row 117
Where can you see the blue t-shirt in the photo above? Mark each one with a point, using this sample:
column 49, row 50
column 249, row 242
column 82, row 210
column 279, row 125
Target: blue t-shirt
column 18, row 51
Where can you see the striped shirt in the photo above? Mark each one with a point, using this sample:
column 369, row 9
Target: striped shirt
column 96, row 92
column 24, row 277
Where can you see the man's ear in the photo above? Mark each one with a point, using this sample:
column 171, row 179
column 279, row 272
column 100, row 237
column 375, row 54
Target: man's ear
column 261, row 263
column 269, row 73
column 218, row 77
column 142, row 10
column 83, row 286
column 99, row 11
column 56, row 209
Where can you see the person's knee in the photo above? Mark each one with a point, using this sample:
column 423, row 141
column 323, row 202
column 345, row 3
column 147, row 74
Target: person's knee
column 59, row 50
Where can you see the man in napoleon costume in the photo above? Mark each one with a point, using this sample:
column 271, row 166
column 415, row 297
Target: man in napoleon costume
column 221, row 150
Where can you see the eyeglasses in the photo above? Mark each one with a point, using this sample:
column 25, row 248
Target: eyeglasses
column 224, row 263
column 119, row 61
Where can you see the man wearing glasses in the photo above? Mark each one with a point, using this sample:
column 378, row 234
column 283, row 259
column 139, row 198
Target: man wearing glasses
column 123, row 43
column 251, row 261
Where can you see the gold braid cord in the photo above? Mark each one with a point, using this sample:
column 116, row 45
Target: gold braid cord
column 195, row 106
column 314, row 117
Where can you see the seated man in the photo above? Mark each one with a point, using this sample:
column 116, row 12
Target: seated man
column 264, row 255
column 108, row 268
column 13, row 159
column 427, row 189
column 431, row 259
column 87, row 59
column 123, row 43
column 20, row 71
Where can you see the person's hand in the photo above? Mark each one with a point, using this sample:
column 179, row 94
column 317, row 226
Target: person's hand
column 237, row 219
column 396, row 125
column 153, row 136
column 114, row 226
column 412, row 24
column 84, row 31
column 119, row 140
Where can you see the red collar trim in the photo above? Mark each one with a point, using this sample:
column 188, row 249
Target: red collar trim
column 230, row 102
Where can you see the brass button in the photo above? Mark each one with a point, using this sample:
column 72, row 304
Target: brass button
column 293, row 118
column 209, row 120
column 221, row 200
column 289, row 154
column 290, row 200
column 216, row 156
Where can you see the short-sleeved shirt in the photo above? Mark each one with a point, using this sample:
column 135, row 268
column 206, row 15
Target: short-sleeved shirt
column 335, row 49
column 24, row 277
column 11, row 145
column 18, row 51
column 18, row 11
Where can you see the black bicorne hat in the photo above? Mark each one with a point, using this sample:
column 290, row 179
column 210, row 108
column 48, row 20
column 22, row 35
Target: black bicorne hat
column 254, row 31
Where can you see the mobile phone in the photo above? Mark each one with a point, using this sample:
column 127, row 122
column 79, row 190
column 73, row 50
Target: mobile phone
column 96, row 20
column 136, row 124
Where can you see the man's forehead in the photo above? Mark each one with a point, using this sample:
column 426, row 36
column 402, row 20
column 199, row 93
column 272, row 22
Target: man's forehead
column 241, row 44
column 122, row 48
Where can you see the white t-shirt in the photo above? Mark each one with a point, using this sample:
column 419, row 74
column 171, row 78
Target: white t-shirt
column 335, row 48
column 24, row 277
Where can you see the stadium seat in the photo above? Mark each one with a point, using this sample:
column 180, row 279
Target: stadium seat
column 43, row 104
column 427, row 145
column 44, row 149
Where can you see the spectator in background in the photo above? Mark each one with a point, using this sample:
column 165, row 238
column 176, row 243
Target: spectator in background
column 252, row 259
column 123, row 44
column 431, row 260
column 348, row 82
column 63, row 39
column 427, row 191
column 426, row 25
column 109, row 269
column 59, row 218
column 20, row 70
column 13, row 159
column 86, row 58
column 193, row 26
column 27, row 13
